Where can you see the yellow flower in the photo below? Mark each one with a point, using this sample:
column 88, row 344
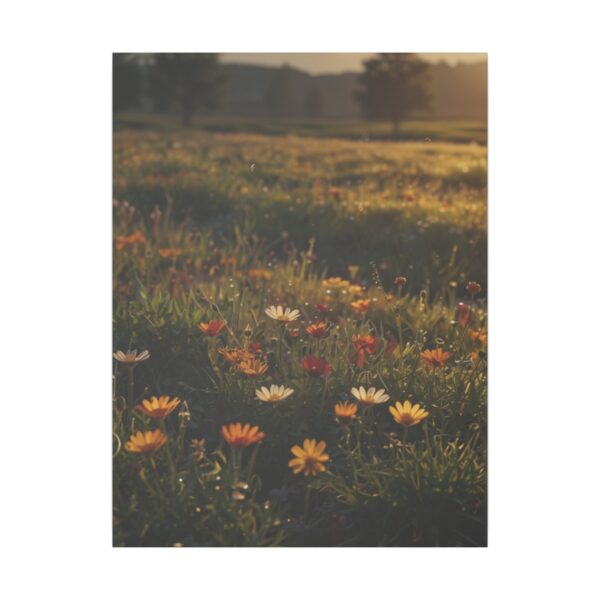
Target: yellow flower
column 252, row 367
column 407, row 414
column 370, row 396
column 345, row 411
column 237, row 435
column 335, row 282
column 275, row 394
column 158, row 408
column 131, row 358
column 277, row 313
column 146, row 441
column 309, row 460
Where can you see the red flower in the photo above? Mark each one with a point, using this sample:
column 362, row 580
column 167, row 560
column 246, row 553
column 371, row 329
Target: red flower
column 322, row 307
column 473, row 288
column 316, row 366
column 364, row 344
column 317, row 330
column 212, row 328
column 463, row 313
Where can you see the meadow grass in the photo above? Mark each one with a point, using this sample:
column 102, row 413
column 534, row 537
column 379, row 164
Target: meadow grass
column 372, row 243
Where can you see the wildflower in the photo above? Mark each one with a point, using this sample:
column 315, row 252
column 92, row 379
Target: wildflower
column 212, row 328
column 277, row 313
column 170, row 252
column 122, row 241
column 463, row 314
column 322, row 307
column 131, row 358
column 317, row 330
column 309, row 459
column 407, row 414
column 356, row 290
column 345, row 411
column 316, row 366
column 364, row 344
column 473, row 288
column 478, row 336
column 255, row 347
column 237, row 435
column 400, row 281
column 146, row 441
column 293, row 331
column 370, row 396
column 353, row 270
column 158, row 408
column 335, row 282
column 235, row 355
column 435, row 358
column 252, row 367
column 199, row 451
column 361, row 306
column 275, row 394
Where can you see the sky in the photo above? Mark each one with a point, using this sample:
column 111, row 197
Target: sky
column 318, row 63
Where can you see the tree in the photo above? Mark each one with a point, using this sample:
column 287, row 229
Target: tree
column 188, row 81
column 278, row 98
column 313, row 103
column 393, row 87
column 127, row 82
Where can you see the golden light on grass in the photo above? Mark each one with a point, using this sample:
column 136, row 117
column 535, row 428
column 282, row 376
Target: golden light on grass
column 369, row 397
column 345, row 411
column 309, row 459
column 276, row 393
column 212, row 328
column 144, row 442
column 238, row 435
column 252, row 367
column 279, row 314
column 131, row 358
column 158, row 408
column 433, row 359
column 407, row 414
column 317, row 330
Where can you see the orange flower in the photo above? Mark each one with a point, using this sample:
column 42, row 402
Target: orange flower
column 473, row 288
column 317, row 330
column 364, row 344
column 170, row 252
column 235, row 355
column 146, row 441
column 158, row 408
column 260, row 274
column 345, row 411
column 478, row 336
column 137, row 237
column 435, row 358
column 463, row 314
column 212, row 328
column 237, row 435
column 361, row 306
column 316, row 366
column 252, row 367
column 309, row 458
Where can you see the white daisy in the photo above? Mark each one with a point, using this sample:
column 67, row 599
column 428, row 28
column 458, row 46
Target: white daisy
column 370, row 396
column 277, row 313
column 275, row 394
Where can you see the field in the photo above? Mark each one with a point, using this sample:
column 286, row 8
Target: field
column 379, row 251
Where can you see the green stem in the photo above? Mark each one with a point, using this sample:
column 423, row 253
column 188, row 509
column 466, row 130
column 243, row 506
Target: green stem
column 130, row 397
column 306, row 504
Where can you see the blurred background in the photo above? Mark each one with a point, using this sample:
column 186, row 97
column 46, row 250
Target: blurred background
column 376, row 96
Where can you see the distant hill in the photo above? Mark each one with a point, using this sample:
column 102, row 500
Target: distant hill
column 460, row 92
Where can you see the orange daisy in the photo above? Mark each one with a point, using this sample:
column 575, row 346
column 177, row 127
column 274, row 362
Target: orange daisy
column 345, row 411
column 361, row 306
column 212, row 328
column 435, row 358
column 240, row 435
column 317, row 330
column 146, row 441
column 158, row 408
column 252, row 367
column 309, row 459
